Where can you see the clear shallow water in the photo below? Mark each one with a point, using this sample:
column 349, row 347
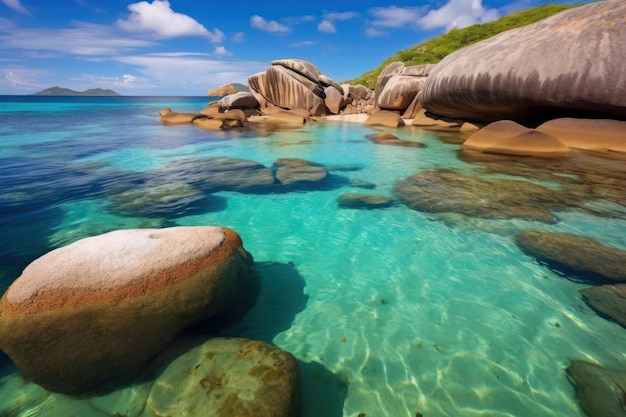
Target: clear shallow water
column 389, row 312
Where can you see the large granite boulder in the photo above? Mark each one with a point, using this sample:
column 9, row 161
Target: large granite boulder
column 399, row 92
column 509, row 138
column 590, row 134
column 384, row 118
column 386, row 138
column 570, row 63
column 580, row 256
column 96, row 311
column 222, row 90
column 225, row 377
column 169, row 117
column 240, row 100
column 293, row 83
column 610, row 300
column 291, row 171
column 600, row 391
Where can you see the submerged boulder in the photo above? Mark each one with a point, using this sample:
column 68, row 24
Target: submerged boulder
column 96, row 311
column 387, row 138
column 293, row 170
column 540, row 71
column 364, row 201
column 600, row 391
column 581, row 256
column 226, row 377
column 609, row 300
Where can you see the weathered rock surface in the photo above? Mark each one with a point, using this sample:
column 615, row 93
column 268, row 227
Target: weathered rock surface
column 609, row 300
column 449, row 191
column 385, row 118
column 509, row 138
column 94, row 312
column 156, row 199
column 426, row 120
column 387, row 138
column 225, row 377
column 169, row 117
column 293, row 170
column 334, row 100
column 581, row 256
column 240, row 100
column 364, row 201
column 222, row 90
column 301, row 67
column 399, row 92
column 538, row 72
column 590, row 134
column 284, row 116
column 600, row 392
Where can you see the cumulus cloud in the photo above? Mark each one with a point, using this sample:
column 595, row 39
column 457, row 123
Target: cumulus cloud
column 159, row 18
column 326, row 26
column 271, row 26
column 21, row 78
column 221, row 51
column 458, row 14
column 395, row 17
column 16, row 5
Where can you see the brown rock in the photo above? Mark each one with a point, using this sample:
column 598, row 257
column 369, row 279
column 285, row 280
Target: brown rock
column 416, row 105
column 334, row 100
column 384, row 118
column 599, row 391
column 286, row 89
column 391, row 70
column 581, row 256
column 209, row 123
column 609, row 300
column 211, row 109
column 97, row 310
column 590, row 134
column 399, row 92
column 294, row 170
column 329, row 82
column 222, row 90
column 364, row 201
column 240, row 100
column 174, row 118
column 424, row 119
column 387, row 138
column 509, row 138
column 232, row 114
column 301, row 67
column 285, row 116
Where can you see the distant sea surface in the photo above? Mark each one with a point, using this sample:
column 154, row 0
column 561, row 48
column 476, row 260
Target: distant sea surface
column 390, row 312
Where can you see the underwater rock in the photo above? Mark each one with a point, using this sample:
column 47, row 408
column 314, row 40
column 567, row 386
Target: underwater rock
column 226, row 377
column 600, row 392
column 581, row 256
column 609, row 300
column 293, row 170
column 450, row 191
column 364, row 201
column 93, row 313
column 387, row 138
column 156, row 200
column 359, row 183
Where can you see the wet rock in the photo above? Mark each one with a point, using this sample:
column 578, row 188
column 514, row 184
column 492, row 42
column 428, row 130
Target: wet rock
column 174, row 118
column 451, row 191
column 384, row 118
column 284, row 116
column 292, row 170
column 209, row 123
column 609, row 300
column 538, row 72
column 364, row 201
column 590, row 134
column 156, row 200
column 226, row 377
column 581, row 256
column 240, row 100
column 94, row 312
column 358, row 183
column 600, row 392
column 509, row 138
column 387, row 138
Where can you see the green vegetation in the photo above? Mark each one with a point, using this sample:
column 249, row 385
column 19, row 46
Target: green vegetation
column 59, row 91
column 434, row 50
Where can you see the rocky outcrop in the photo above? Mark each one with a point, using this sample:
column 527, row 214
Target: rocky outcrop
column 225, row 377
column 97, row 310
column 222, row 90
column 359, row 99
column 169, row 117
column 571, row 63
column 509, row 138
column 240, row 100
column 294, row 170
column 397, row 85
column 609, row 300
column 581, row 256
column 599, row 391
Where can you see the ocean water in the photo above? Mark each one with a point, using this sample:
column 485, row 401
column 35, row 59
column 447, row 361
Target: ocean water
column 389, row 312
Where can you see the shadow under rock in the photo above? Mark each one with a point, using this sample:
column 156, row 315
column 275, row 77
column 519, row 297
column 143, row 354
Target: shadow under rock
column 323, row 392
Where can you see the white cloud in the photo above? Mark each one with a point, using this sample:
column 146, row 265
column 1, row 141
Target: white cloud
column 221, row 51
column 458, row 14
column 21, row 78
column 301, row 44
column 159, row 18
column 238, row 37
column 372, row 33
column 82, row 39
column 340, row 16
column 125, row 81
column 326, row 26
column 395, row 17
column 16, row 5
column 271, row 26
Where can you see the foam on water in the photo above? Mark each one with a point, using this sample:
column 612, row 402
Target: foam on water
column 389, row 312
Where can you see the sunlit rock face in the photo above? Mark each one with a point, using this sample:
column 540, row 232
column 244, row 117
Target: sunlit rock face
column 96, row 311
column 571, row 63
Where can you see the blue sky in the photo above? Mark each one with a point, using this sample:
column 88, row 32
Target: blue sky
column 185, row 47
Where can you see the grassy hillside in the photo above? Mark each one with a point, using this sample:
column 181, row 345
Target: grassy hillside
column 434, row 50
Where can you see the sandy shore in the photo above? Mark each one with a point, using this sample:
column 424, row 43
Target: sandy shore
column 356, row 118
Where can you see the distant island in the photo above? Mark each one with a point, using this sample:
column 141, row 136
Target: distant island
column 59, row 91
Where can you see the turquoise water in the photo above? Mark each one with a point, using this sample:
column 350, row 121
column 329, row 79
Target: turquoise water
column 389, row 312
